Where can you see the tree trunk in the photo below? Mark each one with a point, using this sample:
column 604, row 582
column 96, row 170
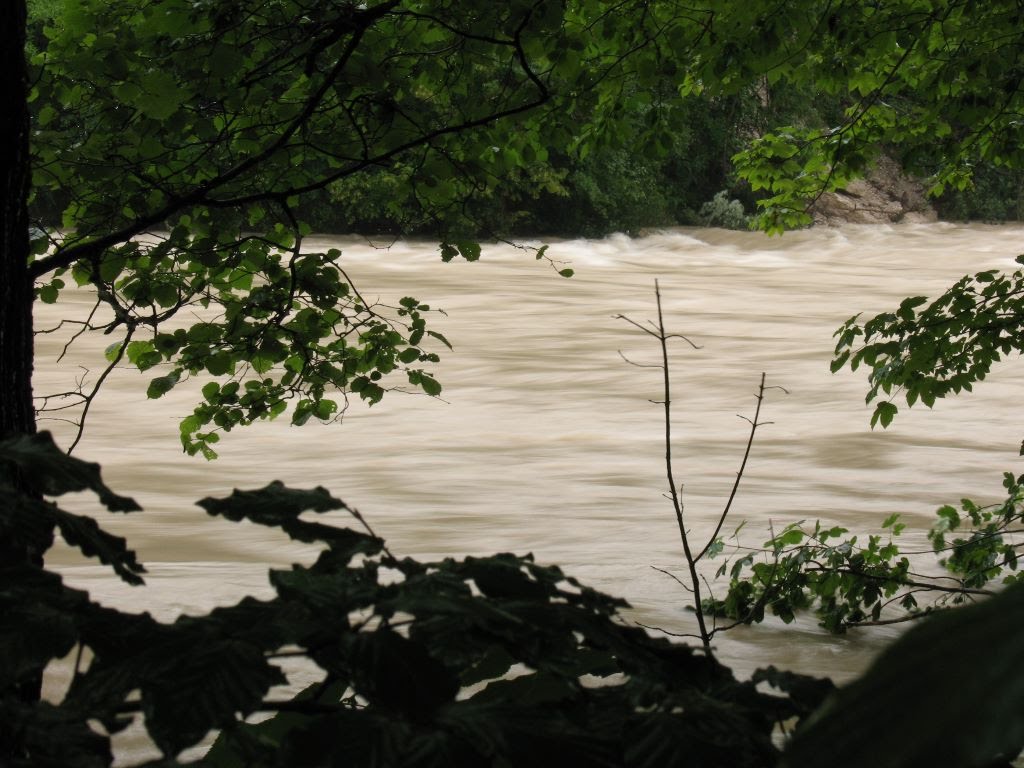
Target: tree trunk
column 16, row 291
column 17, row 413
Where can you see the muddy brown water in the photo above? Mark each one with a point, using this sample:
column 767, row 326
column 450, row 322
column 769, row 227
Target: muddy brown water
column 546, row 440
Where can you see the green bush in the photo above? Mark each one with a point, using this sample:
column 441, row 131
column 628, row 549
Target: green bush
column 721, row 211
column 996, row 195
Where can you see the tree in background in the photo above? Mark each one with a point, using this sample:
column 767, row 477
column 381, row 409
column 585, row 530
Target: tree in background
column 938, row 85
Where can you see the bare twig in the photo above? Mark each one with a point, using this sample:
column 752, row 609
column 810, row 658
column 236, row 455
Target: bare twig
column 99, row 383
column 674, row 493
column 672, row 576
column 657, row 330
column 673, row 634
column 883, row 622
column 754, row 424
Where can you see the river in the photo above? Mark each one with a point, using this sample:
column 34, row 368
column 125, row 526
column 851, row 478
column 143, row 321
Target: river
column 546, row 440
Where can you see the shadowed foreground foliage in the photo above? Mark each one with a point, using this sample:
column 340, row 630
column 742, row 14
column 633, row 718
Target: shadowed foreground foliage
column 480, row 661
column 493, row 661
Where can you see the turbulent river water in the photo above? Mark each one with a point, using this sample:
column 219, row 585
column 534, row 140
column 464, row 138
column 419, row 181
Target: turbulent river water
column 546, row 441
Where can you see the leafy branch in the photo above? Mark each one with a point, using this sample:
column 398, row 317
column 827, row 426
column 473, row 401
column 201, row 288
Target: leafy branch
column 849, row 583
column 927, row 350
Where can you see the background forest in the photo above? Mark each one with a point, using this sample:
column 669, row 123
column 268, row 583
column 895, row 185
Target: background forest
column 688, row 179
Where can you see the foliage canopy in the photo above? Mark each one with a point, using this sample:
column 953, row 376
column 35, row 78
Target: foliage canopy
column 179, row 140
column 179, row 144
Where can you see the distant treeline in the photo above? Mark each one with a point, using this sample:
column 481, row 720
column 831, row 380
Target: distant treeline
column 626, row 188
column 624, row 184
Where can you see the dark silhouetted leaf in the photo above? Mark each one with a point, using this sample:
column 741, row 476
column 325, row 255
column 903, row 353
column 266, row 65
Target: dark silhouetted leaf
column 924, row 703
column 52, row 472
column 37, row 621
column 805, row 693
column 51, row 737
column 399, row 674
column 85, row 533
column 272, row 504
column 533, row 690
column 203, row 683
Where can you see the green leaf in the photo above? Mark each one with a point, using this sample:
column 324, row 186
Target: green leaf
column 448, row 252
column 409, row 355
column 261, row 363
column 112, row 266
column 790, row 537
column 161, row 385
column 325, row 409
column 884, row 413
column 48, row 293
column 470, row 251
column 430, row 385
column 220, row 364
column 839, row 362
column 162, row 95
column 440, row 338
column 135, row 351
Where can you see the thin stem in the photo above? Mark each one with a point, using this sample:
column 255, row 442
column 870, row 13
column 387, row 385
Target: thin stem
column 672, row 576
column 78, row 664
column 657, row 330
column 677, row 504
column 99, row 383
column 739, row 475
column 885, row 622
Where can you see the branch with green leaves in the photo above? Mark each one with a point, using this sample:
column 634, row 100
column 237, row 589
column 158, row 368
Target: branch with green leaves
column 178, row 146
column 928, row 349
column 847, row 581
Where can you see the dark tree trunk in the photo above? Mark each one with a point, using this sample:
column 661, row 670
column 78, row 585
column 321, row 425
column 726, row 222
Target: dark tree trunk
column 16, row 291
column 17, row 414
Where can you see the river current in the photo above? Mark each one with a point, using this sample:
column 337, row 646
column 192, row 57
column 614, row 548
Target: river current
column 546, row 440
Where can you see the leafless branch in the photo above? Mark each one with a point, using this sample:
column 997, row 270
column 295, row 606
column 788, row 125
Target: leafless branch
column 99, row 383
column 754, row 424
column 672, row 576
